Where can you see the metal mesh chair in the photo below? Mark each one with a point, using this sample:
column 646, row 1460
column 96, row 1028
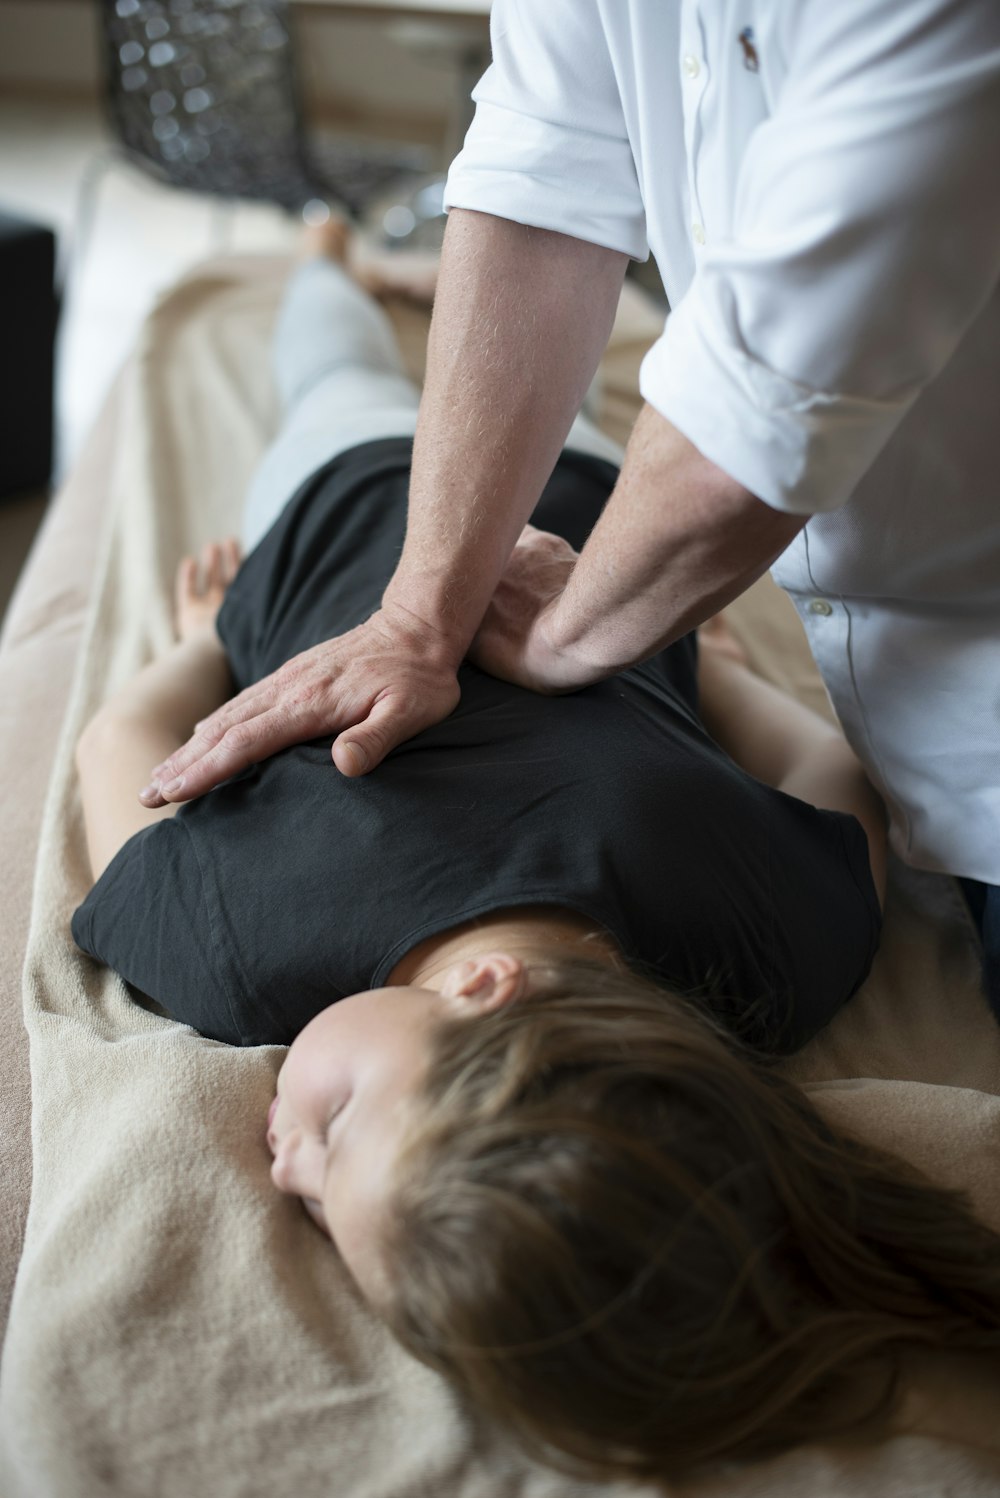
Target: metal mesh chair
column 203, row 94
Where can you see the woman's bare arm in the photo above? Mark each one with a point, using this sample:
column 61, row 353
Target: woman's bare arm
column 780, row 741
column 150, row 717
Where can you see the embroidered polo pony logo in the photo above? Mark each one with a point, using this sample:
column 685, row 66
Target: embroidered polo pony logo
column 750, row 59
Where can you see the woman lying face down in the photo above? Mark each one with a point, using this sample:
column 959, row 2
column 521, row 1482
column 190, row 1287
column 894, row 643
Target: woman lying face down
column 579, row 1195
column 582, row 1195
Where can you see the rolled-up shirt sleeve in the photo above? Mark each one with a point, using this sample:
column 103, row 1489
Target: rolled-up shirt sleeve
column 864, row 239
column 548, row 145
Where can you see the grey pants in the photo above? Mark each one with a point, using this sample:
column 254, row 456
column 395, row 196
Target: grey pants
column 342, row 382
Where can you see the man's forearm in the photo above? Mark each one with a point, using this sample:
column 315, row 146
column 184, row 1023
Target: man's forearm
column 521, row 319
column 678, row 540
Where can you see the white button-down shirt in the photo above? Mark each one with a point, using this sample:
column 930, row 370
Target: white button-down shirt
column 820, row 185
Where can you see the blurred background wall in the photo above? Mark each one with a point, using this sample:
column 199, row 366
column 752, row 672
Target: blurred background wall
column 383, row 73
column 379, row 73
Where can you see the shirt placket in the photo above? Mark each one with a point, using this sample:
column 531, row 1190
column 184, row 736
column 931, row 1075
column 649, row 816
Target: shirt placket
column 830, row 628
column 693, row 62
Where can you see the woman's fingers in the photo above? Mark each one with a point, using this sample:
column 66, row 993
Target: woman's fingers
column 185, row 581
column 211, row 555
column 201, row 581
column 232, row 557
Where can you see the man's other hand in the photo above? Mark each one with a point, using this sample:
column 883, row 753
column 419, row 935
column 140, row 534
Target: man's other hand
column 512, row 640
column 373, row 687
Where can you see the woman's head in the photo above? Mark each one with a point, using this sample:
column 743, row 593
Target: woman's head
column 347, row 1090
column 639, row 1249
column 620, row 1235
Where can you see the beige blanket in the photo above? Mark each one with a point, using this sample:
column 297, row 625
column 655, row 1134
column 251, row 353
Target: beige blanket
column 179, row 1329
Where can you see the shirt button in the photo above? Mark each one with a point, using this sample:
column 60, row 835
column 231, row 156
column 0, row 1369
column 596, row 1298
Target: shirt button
column 691, row 66
column 698, row 233
column 820, row 606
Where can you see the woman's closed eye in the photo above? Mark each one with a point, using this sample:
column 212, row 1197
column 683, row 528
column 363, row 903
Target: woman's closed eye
column 331, row 1120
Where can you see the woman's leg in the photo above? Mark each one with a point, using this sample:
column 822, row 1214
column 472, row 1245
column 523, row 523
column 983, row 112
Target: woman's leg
column 416, row 283
column 340, row 378
column 780, row 741
column 342, row 382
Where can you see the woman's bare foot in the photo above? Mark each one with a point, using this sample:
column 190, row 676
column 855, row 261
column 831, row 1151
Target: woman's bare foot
column 331, row 240
column 411, row 275
column 201, row 584
column 715, row 635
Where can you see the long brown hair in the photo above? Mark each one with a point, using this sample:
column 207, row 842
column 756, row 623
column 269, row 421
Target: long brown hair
column 633, row 1244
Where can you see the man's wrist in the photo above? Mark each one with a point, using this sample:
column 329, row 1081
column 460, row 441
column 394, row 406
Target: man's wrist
column 554, row 660
column 425, row 624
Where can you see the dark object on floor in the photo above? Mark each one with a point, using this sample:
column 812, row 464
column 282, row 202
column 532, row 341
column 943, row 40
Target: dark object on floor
column 204, row 95
column 983, row 901
column 28, row 318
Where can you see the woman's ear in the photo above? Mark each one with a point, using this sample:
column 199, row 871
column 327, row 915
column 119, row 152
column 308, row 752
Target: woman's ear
column 483, row 984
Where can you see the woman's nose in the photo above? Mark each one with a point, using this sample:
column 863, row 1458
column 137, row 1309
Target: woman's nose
column 297, row 1167
column 284, row 1172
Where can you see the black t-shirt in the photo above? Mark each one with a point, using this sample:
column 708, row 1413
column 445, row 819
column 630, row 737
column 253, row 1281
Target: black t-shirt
column 290, row 886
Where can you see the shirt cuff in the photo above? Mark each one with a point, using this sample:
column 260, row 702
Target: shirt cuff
column 550, row 176
column 800, row 450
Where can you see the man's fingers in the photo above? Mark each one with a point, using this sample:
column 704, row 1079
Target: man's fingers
column 392, row 720
column 351, row 758
column 241, row 745
column 251, row 703
column 202, row 740
column 246, row 708
column 161, row 775
column 375, row 686
column 359, row 749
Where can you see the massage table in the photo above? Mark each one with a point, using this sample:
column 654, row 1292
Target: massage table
column 179, row 1328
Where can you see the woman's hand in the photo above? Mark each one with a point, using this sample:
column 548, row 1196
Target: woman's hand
column 374, row 687
column 513, row 640
column 200, row 586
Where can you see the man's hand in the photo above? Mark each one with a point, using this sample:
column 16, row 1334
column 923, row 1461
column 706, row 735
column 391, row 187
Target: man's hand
column 511, row 641
column 375, row 687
